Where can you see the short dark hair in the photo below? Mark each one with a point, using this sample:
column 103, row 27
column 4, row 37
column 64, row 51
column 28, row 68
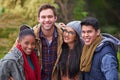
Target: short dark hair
column 90, row 21
column 47, row 6
column 25, row 30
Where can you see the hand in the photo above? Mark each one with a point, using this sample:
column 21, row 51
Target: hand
column 11, row 78
column 61, row 24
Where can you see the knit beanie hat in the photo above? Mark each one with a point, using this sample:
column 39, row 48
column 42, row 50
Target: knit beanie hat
column 76, row 26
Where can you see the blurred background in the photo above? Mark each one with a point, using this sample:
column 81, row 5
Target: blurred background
column 13, row 13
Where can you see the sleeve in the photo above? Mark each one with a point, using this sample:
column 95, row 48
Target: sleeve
column 110, row 67
column 4, row 70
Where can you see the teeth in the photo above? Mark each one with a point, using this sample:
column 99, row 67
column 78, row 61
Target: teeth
column 66, row 38
column 87, row 40
column 29, row 50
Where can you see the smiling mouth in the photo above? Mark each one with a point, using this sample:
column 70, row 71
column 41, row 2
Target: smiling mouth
column 87, row 40
column 66, row 38
column 29, row 50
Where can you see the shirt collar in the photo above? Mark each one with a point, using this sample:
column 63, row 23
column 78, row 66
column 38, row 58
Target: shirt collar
column 54, row 34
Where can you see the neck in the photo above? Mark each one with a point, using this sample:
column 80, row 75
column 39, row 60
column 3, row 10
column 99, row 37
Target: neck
column 48, row 33
column 71, row 45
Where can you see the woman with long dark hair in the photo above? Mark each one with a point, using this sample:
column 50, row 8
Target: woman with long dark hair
column 68, row 65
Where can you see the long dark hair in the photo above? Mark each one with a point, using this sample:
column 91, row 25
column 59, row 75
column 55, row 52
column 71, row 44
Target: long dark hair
column 74, row 60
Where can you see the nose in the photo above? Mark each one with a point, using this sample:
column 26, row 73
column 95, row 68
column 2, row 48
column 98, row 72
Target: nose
column 46, row 19
column 86, row 34
column 29, row 46
column 66, row 34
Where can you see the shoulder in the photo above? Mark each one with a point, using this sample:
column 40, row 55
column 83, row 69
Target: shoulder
column 13, row 55
column 36, row 29
column 7, row 64
column 105, row 47
column 109, row 54
column 105, row 50
column 36, row 26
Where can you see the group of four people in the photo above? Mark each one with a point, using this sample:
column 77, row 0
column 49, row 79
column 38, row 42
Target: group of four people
column 77, row 51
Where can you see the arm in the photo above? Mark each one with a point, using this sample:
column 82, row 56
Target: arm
column 4, row 70
column 109, row 67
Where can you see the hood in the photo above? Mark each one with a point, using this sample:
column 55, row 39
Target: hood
column 109, row 40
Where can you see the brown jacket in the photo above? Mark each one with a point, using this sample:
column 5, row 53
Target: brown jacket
column 39, row 47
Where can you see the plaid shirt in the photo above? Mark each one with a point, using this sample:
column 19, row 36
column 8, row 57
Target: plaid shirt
column 49, row 55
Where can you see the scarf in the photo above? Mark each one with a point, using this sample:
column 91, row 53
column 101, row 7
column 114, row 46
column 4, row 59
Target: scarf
column 87, row 54
column 30, row 74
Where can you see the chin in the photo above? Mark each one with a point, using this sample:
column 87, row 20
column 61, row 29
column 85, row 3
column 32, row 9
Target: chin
column 66, row 41
column 28, row 53
column 87, row 43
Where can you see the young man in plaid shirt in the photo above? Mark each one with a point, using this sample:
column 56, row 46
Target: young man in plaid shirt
column 49, row 40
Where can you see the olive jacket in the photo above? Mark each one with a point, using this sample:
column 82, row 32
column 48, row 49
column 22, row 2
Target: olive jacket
column 39, row 47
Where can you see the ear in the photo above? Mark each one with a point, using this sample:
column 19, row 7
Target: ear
column 19, row 41
column 38, row 19
column 55, row 18
column 98, row 32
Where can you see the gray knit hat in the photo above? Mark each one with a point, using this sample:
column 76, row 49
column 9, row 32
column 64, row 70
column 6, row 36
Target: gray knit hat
column 76, row 26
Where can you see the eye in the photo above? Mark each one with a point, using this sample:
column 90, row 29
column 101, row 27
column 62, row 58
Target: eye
column 33, row 44
column 26, row 43
column 89, row 31
column 64, row 30
column 42, row 16
column 50, row 16
column 71, row 32
column 83, row 31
